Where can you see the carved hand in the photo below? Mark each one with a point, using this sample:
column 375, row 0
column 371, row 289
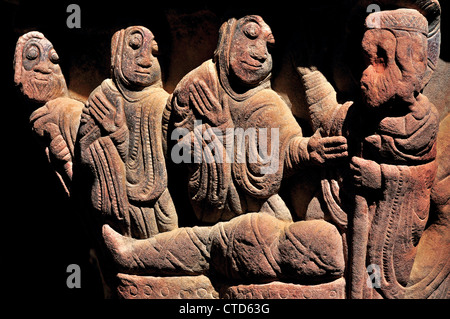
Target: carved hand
column 366, row 173
column 58, row 147
column 109, row 116
column 45, row 120
column 208, row 105
column 327, row 150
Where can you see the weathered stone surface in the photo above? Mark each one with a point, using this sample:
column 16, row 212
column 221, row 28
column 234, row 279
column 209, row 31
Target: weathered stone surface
column 279, row 290
column 230, row 178
column 148, row 287
column 121, row 126
column 55, row 116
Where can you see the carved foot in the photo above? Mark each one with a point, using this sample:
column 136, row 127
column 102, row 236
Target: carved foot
column 119, row 247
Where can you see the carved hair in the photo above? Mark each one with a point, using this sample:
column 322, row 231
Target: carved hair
column 405, row 25
column 431, row 10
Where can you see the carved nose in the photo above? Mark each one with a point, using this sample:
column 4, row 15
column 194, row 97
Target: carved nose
column 144, row 61
column 42, row 67
column 259, row 53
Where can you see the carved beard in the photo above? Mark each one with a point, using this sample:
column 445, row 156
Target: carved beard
column 380, row 88
column 43, row 91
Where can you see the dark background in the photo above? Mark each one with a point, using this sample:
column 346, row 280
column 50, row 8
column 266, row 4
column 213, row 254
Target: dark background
column 43, row 233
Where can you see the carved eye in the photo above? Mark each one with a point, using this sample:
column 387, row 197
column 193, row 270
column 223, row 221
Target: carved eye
column 53, row 56
column 135, row 41
column 32, row 53
column 252, row 30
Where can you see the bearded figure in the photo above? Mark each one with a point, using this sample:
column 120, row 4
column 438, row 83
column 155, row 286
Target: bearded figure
column 392, row 143
column 37, row 70
column 121, row 140
column 55, row 117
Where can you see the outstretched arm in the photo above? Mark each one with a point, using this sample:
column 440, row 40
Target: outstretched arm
column 315, row 151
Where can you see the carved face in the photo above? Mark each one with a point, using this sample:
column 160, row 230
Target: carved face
column 40, row 74
column 250, row 60
column 396, row 63
column 139, row 66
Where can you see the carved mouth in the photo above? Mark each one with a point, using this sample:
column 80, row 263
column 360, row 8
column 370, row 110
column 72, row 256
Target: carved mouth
column 364, row 86
column 142, row 72
column 41, row 79
column 252, row 66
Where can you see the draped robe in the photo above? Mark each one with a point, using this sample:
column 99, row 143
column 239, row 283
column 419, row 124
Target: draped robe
column 405, row 147
column 233, row 183
column 130, row 178
column 222, row 187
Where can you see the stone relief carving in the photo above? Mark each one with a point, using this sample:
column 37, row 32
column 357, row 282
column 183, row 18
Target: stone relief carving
column 281, row 213
column 121, row 126
column 55, row 116
column 393, row 152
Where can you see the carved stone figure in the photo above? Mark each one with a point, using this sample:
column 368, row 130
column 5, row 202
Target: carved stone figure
column 262, row 243
column 122, row 164
column 337, row 190
column 55, row 117
column 36, row 69
column 231, row 94
column 392, row 141
column 121, row 139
